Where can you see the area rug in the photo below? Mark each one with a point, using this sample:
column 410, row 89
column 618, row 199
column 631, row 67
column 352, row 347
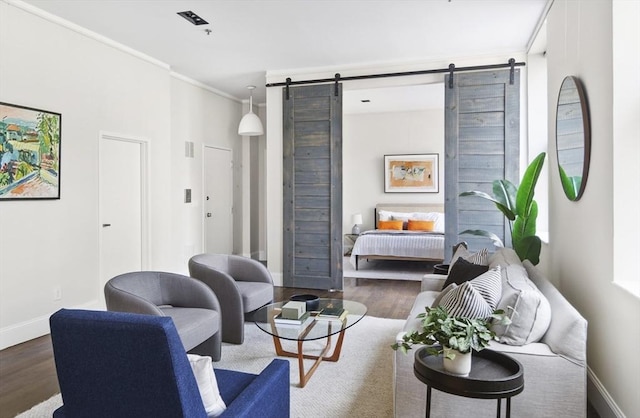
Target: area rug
column 358, row 385
column 387, row 269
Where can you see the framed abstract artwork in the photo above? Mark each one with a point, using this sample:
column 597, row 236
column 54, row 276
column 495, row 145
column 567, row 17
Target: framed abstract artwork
column 29, row 153
column 411, row 173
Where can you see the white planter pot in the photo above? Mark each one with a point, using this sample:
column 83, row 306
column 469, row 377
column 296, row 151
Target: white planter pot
column 460, row 365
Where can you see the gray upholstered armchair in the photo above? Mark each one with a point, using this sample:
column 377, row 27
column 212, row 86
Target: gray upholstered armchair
column 194, row 308
column 241, row 284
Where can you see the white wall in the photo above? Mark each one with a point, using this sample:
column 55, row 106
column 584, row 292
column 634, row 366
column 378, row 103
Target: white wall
column 96, row 87
column 581, row 233
column 367, row 138
column 204, row 118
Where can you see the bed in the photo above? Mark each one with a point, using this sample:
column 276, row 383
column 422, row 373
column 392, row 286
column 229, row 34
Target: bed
column 402, row 244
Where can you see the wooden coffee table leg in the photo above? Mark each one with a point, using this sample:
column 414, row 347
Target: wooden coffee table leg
column 304, row 377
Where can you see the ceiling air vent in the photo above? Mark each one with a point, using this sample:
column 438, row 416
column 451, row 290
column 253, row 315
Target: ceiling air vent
column 193, row 18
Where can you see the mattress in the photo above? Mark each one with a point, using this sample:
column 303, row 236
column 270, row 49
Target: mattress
column 399, row 243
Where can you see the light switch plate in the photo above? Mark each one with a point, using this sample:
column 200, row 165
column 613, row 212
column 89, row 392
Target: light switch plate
column 187, row 195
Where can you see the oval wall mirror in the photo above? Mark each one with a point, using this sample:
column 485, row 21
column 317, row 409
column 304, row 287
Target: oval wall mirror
column 573, row 137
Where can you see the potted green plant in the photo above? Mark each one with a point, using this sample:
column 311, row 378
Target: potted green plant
column 455, row 337
column 518, row 205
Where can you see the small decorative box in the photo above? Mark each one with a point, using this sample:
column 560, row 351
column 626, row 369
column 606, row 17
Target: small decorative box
column 293, row 309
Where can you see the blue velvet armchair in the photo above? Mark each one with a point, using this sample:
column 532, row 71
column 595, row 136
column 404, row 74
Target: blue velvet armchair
column 115, row 364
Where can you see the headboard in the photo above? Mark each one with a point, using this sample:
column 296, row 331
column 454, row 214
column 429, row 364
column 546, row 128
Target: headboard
column 407, row 207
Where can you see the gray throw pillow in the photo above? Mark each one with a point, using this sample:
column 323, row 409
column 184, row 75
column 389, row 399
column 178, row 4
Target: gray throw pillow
column 527, row 307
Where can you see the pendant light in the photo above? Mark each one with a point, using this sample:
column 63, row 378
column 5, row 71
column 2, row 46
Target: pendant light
column 250, row 125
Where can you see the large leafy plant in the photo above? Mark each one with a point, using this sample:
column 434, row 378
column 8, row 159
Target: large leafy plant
column 439, row 330
column 519, row 207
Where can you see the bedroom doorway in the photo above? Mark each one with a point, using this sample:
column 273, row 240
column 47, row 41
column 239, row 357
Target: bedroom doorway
column 476, row 133
column 407, row 119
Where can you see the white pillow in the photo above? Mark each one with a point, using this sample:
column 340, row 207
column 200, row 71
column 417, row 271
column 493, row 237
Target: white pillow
column 385, row 215
column 202, row 367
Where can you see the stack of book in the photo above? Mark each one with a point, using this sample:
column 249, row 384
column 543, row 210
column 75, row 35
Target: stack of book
column 332, row 314
column 293, row 314
column 303, row 321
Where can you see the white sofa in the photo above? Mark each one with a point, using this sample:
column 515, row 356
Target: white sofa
column 554, row 368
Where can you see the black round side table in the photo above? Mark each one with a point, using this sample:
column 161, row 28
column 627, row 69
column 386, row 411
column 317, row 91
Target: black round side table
column 493, row 376
column 441, row 269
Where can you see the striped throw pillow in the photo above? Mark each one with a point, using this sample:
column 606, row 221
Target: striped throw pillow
column 489, row 285
column 477, row 298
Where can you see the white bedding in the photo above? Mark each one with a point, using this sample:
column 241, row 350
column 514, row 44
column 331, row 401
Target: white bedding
column 396, row 243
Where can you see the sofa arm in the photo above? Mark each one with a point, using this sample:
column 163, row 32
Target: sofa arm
column 433, row 282
column 267, row 396
column 567, row 332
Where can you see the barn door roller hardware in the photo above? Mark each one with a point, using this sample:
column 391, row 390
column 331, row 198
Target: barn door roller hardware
column 451, row 69
column 512, row 63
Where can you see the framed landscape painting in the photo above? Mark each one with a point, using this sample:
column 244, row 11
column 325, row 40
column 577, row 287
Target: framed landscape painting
column 29, row 153
column 411, row 173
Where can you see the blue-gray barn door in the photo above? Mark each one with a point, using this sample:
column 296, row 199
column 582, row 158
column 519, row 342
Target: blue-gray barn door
column 312, row 179
column 482, row 144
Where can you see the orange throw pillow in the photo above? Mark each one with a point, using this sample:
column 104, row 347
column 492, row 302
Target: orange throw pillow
column 390, row 225
column 414, row 225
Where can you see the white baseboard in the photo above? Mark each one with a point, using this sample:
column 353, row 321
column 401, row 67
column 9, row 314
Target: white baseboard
column 600, row 399
column 34, row 328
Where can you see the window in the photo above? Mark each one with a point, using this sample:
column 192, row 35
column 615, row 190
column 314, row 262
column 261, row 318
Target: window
column 626, row 147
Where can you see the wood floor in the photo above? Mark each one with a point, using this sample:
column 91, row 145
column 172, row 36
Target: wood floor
column 27, row 371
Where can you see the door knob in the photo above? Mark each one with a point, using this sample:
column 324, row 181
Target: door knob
column 105, row 225
column 209, row 214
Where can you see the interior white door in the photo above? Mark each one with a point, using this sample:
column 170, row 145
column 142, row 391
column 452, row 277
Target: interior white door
column 218, row 200
column 121, row 206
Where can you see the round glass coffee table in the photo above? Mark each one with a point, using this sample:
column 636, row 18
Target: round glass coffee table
column 315, row 329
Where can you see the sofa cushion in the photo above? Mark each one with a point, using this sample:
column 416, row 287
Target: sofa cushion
column 423, row 300
column 504, row 257
column 525, row 305
column 476, row 298
column 194, row 325
column 463, row 271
